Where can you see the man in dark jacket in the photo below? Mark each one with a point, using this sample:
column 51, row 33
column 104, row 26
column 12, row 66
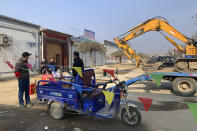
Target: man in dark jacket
column 77, row 63
column 23, row 79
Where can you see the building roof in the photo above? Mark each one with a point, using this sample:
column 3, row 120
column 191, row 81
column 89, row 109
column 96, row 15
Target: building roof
column 56, row 32
column 20, row 21
column 110, row 43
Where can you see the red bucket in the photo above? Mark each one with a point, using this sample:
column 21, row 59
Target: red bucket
column 32, row 89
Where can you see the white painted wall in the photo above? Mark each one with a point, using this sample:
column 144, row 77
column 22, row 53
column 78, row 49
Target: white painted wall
column 22, row 35
column 109, row 50
column 110, row 59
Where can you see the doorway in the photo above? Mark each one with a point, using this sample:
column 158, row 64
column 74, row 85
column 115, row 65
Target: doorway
column 57, row 59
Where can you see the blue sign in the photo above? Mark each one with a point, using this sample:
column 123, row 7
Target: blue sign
column 89, row 35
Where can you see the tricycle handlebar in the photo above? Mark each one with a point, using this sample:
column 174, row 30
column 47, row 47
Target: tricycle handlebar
column 142, row 77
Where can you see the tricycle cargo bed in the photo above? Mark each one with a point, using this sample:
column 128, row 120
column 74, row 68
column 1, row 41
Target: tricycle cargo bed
column 58, row 91
column 70, row 95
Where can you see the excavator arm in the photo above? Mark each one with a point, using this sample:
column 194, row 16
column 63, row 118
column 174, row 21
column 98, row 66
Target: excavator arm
column 154, row 24
column 128, row 51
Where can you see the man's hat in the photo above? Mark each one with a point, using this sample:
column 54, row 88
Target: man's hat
column 24, row 54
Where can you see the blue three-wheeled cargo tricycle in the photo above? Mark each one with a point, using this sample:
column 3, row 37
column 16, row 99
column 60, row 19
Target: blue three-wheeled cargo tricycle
column 84, row 96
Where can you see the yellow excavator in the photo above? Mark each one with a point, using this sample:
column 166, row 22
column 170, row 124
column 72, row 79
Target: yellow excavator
column 160, row 24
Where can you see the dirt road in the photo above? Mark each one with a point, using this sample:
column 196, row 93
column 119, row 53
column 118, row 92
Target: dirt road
column 163, row 115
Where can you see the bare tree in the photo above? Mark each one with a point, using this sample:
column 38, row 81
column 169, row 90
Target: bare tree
column 170, row 52
column 90, row 46
column 118, row 54
column 142, row 55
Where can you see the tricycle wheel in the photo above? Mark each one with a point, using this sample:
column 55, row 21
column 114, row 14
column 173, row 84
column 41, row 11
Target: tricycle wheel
column 184, row 86
column 56, row 110
column 135, row 118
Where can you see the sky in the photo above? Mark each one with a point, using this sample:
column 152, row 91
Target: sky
column 107, row 18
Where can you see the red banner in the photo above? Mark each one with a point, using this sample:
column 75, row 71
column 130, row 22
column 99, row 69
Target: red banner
column 147, row 102
column 111, row 72
column 10, row 65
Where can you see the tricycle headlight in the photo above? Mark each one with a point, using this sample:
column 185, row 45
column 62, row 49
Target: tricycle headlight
column 121, row 95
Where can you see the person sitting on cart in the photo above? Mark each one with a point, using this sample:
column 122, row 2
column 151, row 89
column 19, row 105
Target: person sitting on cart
column 52, row 67
column 78, row 62
column 44, row 68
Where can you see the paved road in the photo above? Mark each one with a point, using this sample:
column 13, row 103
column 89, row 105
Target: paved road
column 167, row 113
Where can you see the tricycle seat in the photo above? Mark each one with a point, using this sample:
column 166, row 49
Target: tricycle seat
column 91, row 93
column 87, row 79
column 96, row 93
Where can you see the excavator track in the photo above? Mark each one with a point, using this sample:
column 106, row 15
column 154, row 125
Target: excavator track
column 183, row 65
column 186, row 65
